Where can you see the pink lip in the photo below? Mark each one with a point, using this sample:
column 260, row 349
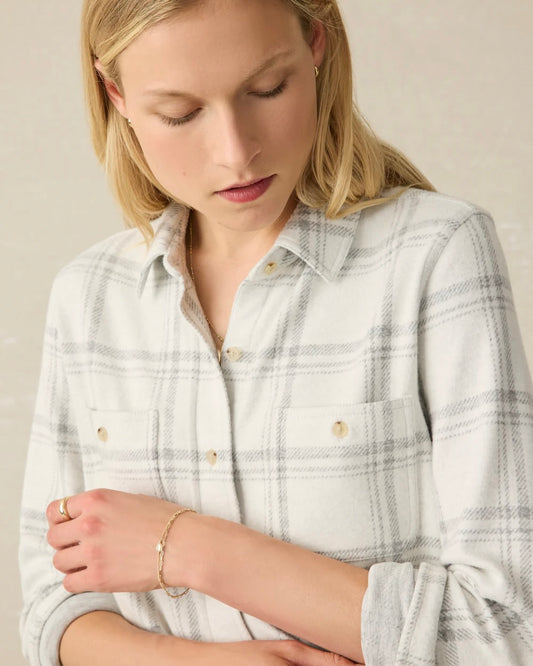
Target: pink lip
column 247, row 192
column 236, row 185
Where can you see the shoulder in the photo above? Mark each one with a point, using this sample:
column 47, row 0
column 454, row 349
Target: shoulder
column 126, row 250
column 407, row 237
column 115, row 261
column 118, row 257
column 427, row 220
column 416, row 208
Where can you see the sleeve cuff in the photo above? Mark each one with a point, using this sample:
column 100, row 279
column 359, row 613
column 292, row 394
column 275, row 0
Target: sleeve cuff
column 385, row 608
column 57, row 623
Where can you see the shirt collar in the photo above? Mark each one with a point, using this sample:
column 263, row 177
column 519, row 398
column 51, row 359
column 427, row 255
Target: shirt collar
column 169, row 231
column 320, row 242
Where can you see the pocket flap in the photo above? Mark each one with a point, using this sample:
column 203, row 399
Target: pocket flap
column 349, row 475
column 123, row 450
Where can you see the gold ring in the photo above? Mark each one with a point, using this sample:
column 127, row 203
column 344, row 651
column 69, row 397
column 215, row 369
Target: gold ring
column 63, row 509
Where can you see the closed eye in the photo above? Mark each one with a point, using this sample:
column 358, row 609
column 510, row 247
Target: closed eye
column 173, row 122
column 273, row 93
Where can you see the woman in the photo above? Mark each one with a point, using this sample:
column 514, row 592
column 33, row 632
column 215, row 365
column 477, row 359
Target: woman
column 303, row 398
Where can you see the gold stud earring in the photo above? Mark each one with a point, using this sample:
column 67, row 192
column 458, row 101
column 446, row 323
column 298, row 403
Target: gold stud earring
column 316, row 72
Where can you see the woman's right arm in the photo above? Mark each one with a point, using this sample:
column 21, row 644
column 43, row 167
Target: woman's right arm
column 107, row 639
column 54, row 468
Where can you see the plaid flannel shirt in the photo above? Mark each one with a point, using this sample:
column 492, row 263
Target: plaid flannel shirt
column 373, row 404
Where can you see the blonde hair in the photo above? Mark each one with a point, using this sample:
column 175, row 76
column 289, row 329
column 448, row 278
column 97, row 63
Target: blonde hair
column 349, row 166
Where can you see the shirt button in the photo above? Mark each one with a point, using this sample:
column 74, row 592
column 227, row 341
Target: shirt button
column 211, row 457
column 271, row 268
column 233, row 353
column 340, row 429
column 102, row 434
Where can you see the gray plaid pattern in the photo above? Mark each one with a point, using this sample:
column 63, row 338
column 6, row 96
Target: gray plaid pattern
column 376, row 408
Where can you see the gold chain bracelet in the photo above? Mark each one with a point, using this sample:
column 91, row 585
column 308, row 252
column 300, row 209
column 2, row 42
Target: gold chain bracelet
column 161, row 553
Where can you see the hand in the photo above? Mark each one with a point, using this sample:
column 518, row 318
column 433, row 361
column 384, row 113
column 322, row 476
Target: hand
column 110, row 543
column 267, row 653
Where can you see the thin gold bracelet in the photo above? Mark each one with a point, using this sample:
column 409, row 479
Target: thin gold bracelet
column 161, row 553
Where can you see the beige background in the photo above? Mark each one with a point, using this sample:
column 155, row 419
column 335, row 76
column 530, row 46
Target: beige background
column 447, row 82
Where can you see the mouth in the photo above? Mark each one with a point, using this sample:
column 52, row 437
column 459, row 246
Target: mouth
column 239, row 186
column 246, row 192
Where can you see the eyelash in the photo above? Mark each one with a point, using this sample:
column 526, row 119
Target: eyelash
column 275, row 92
column 173, row 122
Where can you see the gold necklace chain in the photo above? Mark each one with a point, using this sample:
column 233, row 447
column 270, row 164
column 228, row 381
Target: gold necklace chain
column 217, row 336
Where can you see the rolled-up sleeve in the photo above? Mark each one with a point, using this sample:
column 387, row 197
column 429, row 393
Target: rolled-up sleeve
column 53, row 469
column 474, row 606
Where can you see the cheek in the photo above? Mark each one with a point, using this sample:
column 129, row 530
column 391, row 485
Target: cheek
column 299, row 122
column 159, row 149
column 167, row 157
column 297, row 143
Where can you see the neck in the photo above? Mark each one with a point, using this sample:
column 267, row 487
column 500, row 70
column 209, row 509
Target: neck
column 233, row 244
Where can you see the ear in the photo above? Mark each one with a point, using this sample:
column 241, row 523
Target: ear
column 113, row 92
column 318, row 42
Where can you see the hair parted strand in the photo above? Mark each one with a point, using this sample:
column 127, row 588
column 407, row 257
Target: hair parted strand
column 349, row 167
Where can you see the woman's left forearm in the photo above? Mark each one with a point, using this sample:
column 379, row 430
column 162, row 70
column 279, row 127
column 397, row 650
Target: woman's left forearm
column 307, row 595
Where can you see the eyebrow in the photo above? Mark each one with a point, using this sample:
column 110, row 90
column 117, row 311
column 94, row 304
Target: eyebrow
column 267, row 64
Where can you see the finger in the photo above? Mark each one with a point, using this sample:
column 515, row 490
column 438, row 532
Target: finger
column 69, row 559
column 83, row 528
column 54, row 515
column 92, row 578
column 75, row 582
column 64, row 534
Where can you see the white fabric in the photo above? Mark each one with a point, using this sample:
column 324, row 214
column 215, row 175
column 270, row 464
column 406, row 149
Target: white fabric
column 375, row 406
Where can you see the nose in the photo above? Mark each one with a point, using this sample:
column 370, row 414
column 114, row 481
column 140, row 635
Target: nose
column 235, row 142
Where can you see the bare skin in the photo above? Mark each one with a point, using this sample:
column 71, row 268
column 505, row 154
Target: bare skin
column 106, row 639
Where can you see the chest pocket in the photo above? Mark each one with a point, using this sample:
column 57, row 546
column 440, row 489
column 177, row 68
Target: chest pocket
column 121, row 450
column 348, row 475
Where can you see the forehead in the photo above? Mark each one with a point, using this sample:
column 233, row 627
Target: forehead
column 214, row 41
